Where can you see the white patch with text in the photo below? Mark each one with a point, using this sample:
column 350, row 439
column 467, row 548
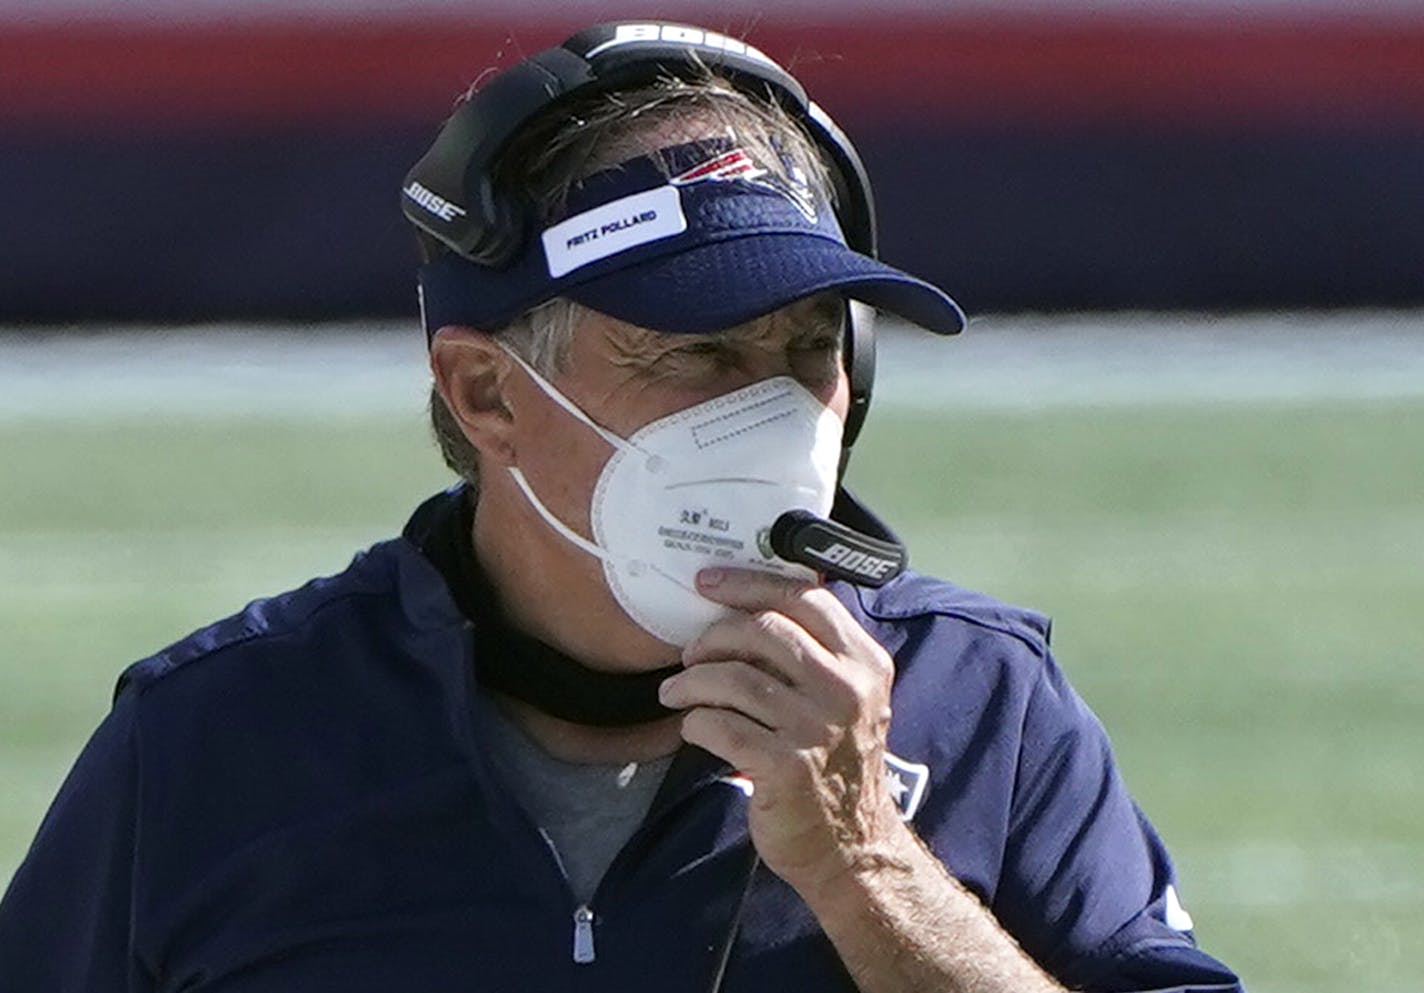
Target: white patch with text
column 613, row 227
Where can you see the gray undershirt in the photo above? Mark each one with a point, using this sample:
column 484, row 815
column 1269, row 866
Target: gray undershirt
column 586, row 812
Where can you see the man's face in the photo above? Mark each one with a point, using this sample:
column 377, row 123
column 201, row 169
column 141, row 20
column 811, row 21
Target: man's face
column 625, row 377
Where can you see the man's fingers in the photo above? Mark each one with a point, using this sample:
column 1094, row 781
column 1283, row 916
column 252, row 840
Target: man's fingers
column 813, row 607
column 735, row 738
column 783, row 650
column 746, row 689
column 766, row 638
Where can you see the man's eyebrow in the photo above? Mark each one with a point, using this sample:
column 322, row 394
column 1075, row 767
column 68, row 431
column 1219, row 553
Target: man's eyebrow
column 632, row 347
column 811, row 318
column 636, row 348
column 828, row 315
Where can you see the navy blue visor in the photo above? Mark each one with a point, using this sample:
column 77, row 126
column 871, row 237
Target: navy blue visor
column 694, row 240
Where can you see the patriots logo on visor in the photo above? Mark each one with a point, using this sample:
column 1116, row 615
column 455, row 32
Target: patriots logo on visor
column 738, row 165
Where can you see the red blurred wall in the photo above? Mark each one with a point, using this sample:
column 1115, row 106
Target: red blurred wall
column 248, row 167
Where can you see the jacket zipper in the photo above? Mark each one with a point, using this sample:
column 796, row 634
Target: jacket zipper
column 584, row 951
column 583, row 935
column 583, row 914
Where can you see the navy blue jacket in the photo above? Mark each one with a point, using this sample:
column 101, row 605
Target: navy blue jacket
column 296, row 799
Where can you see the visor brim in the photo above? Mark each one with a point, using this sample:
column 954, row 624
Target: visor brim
column 721, row 284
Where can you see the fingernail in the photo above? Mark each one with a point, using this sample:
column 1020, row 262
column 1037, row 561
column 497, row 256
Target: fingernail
column 710, row 578
column 665, row 690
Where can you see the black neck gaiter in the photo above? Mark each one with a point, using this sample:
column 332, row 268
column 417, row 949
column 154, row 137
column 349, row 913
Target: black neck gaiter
column 512, row 662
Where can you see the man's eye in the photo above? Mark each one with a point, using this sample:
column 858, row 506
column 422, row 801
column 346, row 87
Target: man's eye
column 702, row 348
column 691, row 358
column 820, row 344
column 816, row 360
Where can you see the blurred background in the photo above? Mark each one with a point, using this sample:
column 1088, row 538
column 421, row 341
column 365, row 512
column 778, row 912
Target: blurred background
column 1187, row 419
column 193, row 159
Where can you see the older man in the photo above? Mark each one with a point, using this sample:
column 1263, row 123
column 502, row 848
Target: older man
column 606, row 716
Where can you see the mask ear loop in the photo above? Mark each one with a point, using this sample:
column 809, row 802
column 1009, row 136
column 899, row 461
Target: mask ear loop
column 635, row 567
column 654, row 462
column 597, row 551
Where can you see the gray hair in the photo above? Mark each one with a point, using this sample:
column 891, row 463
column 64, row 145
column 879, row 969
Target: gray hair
column 540, row 337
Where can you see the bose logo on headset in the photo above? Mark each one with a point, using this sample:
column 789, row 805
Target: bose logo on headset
column 679, row 34
column 433, row 202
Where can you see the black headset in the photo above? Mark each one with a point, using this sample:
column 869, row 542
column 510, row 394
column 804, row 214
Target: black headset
column 452, row 193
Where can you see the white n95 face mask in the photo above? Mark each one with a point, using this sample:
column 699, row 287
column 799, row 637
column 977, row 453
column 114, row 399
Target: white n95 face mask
column 701, row 488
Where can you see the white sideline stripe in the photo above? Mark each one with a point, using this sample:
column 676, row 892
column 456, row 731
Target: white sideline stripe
column 1000, row 363
column 1277, row 873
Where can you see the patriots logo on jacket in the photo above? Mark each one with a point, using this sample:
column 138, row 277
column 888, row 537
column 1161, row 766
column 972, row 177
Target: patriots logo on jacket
column 906, row 782
column 739, row 165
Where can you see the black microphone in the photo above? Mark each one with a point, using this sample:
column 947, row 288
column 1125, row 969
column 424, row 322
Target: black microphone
column 836, row 550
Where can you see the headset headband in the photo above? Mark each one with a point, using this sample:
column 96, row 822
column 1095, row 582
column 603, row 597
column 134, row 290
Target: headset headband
column 451, row 192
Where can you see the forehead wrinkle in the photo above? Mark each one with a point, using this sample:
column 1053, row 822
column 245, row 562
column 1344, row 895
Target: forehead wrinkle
column 630, row 346
column 635, row 348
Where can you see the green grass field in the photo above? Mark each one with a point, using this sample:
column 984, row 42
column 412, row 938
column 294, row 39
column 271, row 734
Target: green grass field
column 1238, row 590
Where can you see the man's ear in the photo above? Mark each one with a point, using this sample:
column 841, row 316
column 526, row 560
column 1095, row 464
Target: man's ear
column 470, row 371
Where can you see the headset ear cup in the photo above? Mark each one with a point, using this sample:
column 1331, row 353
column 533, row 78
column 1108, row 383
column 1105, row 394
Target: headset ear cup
column 497, row 239
column 859, row 359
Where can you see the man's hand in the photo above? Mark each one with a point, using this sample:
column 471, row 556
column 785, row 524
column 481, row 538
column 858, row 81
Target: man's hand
column 795, row 694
